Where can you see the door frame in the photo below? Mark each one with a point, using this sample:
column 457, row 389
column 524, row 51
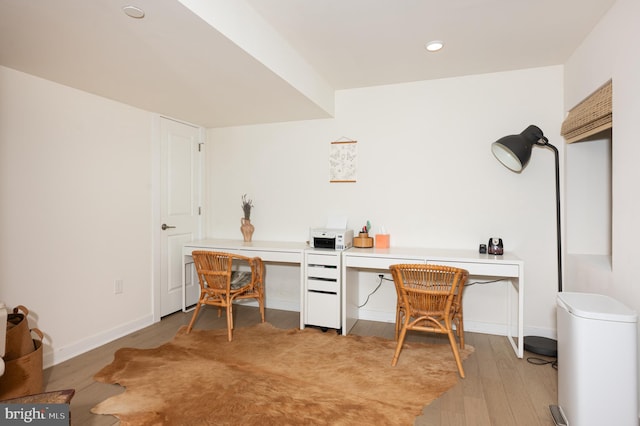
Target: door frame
column 156, row 232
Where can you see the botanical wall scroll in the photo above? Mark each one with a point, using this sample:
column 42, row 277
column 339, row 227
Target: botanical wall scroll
column 343, row 157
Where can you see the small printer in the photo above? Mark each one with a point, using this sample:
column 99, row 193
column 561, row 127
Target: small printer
column 334, row 239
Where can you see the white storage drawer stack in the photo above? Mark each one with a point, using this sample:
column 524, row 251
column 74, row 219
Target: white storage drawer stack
column 323, row 289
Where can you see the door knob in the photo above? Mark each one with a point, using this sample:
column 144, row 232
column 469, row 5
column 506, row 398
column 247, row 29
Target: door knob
column 165, row 227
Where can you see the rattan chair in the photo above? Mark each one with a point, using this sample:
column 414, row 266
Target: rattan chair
column 431, row 301
column 457, row 316
column 221, row 285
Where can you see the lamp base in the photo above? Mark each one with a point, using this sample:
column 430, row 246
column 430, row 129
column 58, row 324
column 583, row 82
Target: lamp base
column 541, row 346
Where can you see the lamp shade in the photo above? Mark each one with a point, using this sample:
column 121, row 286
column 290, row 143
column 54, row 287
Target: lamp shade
column 514, row 151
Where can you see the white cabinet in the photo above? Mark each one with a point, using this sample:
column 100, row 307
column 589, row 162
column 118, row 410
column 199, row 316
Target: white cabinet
column 322, row 289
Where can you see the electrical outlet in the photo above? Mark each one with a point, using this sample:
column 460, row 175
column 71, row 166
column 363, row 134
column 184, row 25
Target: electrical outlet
column 381, row 276
column 118, row 287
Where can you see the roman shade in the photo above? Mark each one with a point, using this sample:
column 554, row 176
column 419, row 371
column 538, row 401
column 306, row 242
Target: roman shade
column 592, row 115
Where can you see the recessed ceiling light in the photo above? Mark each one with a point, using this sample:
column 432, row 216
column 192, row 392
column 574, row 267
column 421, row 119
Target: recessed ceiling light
column 133, row 12
column 434, row 46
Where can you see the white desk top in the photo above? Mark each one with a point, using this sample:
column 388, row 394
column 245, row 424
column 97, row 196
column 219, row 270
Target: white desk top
column 408, row 253
column 251, row 245
column 434, row 254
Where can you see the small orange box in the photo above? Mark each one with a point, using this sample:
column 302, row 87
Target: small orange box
column 382, row 240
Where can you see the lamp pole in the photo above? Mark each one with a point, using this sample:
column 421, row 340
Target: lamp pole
column 546, row 143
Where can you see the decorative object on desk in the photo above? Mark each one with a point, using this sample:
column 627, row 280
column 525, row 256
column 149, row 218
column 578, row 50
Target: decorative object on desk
column 382, row 240
column 514, row 152
column 363, row 240
column 353, row 385
column 495, row 246
column 247, row 205
column 247, row 229
column 245, row 223
column 343, row 161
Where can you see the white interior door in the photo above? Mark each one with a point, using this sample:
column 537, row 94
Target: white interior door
column 180, row 207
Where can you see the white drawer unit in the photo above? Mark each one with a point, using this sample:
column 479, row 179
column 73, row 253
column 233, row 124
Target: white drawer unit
column 322, row 290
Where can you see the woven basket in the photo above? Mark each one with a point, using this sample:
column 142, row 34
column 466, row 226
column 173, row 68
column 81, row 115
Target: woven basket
column 19, row 341
column 23, row 376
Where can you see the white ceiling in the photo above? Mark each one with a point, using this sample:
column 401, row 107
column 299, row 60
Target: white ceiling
column 229, row 62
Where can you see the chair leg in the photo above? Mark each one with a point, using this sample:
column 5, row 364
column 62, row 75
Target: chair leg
column 229, row 322
column 396, row 355
column 399, row 320
column 261, row 304
column 456, row 354
column 193, row 318
column 460, row 329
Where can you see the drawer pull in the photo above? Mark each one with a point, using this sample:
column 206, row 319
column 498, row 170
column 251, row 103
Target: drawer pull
column 322, row 292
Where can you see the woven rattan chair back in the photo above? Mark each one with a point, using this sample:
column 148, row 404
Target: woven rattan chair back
column 429, row 300
column 220, row 284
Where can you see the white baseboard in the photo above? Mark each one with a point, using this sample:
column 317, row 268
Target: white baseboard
column 284, row 305
column 51, row 357
column 542, row 332
column 469, row 325
column 380, row 316
column 281, row 304
column 472, row 326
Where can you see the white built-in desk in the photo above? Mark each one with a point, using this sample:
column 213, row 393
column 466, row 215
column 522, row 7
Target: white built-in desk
column 355, row 259
column 479, row 265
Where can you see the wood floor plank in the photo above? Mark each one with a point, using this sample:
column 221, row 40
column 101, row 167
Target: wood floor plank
column 476, row 412
column 452, row 402
column 431, row 415
column 542, row 385
column 472, row 384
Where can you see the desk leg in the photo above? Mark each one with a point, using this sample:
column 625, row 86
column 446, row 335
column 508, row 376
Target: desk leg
column 184, row 283
column 517, row 341
column 350, row 298
column 187, row 261
column 521, row 315
column 303, row 291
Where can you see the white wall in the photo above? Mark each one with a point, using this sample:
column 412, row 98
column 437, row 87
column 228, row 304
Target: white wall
column 609, row 53
column 425, row 172
column 75, row 197
column 605, row 54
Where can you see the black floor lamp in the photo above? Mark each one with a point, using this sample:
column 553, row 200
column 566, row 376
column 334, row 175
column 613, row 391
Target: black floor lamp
column 514, row 152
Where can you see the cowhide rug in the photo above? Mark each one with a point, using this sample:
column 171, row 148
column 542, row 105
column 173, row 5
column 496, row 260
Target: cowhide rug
column 270, row 376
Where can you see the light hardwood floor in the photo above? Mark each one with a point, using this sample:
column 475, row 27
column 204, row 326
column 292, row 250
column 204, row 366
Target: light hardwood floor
column 499, row 389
